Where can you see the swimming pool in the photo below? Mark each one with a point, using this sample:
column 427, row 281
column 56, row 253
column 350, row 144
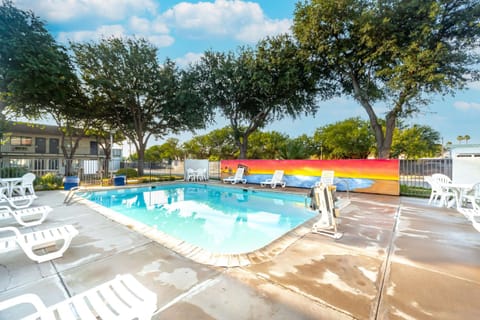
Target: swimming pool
column 218, row 219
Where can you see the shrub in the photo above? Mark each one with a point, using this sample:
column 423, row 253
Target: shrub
column 129, row 172
column 49, row 181
column 12, row 172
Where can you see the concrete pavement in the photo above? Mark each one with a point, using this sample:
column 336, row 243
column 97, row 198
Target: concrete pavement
column 399, row 258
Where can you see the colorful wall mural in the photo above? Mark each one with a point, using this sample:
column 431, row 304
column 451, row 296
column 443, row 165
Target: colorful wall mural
column 369, row 176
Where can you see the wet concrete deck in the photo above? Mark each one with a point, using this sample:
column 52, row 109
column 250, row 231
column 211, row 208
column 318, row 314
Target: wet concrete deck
column 399, row 258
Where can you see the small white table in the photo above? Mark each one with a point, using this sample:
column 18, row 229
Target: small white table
column 9, row 183
column 460, row 190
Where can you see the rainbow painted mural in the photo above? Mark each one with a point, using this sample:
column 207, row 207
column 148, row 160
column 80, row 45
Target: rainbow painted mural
column 370, row 176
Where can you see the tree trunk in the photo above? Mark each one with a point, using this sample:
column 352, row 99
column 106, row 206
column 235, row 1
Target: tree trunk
column 243, row 145
column 141, row 160
column 68, row 167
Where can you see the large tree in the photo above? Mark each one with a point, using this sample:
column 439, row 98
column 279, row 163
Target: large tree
column 257, row 86
column 136, row 94
column 35, row 71
column 37, row 78
column 391, row 54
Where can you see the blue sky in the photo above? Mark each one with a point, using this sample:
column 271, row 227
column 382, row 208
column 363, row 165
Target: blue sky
column 183, row 30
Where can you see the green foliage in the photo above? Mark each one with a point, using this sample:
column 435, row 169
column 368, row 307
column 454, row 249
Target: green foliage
column 406, row 190
column 169, row 150
column 347, row 139
column 416, row 142
column 266, row 145
column 293, row 149
column 129, row 172
column 257, row 86
column 13, row 172
column 391, row 53
column 217, row 144
column 147, row 106
column 36, row 72
column 49, row 181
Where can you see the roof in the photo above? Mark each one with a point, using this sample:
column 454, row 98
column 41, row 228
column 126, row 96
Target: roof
column 31, row 128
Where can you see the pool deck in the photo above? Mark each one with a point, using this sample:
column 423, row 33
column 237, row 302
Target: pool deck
column 399, row 258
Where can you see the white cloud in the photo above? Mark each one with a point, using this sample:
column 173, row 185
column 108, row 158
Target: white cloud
column 255, row 31
column 160, row 41
column 139, row 24
column 244, row 21
column 188, row 58
column 475, row 85
column 160, row 26
column 62, row 10
column 107, row 31
column 462, row 105
column 115, row 31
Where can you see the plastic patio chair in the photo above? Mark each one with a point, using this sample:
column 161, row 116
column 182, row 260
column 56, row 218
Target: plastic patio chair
column 441, row 193
column 124, row 297
column 32, row 242
column 277, row 179
column 26, row 217
column 238, row 177
column 19, row 202
column 26, row 184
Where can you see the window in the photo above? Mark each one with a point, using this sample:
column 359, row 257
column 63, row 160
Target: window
column 20, row 141
column 40, row 145
column 93, row 148
column 53, row 146
column 116, row 153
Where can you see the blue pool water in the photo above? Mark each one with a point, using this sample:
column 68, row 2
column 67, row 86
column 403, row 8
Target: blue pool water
column 218, row 219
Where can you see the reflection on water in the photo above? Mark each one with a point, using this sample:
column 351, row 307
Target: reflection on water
column 222, row 220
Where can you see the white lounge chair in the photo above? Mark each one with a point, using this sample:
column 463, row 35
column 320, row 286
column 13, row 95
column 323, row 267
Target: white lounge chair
column 238, row 177
column 19, row 202
column 26, row 184
column 277, row 179
column 327, row 178
column 32, row 242
column 124, row 297
column 26, row 217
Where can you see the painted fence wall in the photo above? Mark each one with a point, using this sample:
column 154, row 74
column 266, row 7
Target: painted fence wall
column 379, row 176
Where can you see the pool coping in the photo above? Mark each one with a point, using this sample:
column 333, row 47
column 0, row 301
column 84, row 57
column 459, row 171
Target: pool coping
column 196, row 253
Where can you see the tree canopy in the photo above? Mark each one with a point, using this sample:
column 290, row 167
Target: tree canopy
column 257, row 86
column 347, row 139
column 416, row 142
column 137, row 95
column 38, row 78
column 36, row 73
column 392, row 53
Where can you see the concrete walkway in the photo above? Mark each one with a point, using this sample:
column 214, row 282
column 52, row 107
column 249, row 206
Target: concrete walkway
column 399, row 258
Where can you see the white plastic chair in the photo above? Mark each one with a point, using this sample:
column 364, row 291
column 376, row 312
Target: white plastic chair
column 202, row 174
column 124, row 297
column 238, row 177
column 327, row 178
column 19, row 202
column 26, row 217
column 441, row 192
column 191, row 174
column 26, row 184
column 472, row 196
column 31, row 242
column 277, row 179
